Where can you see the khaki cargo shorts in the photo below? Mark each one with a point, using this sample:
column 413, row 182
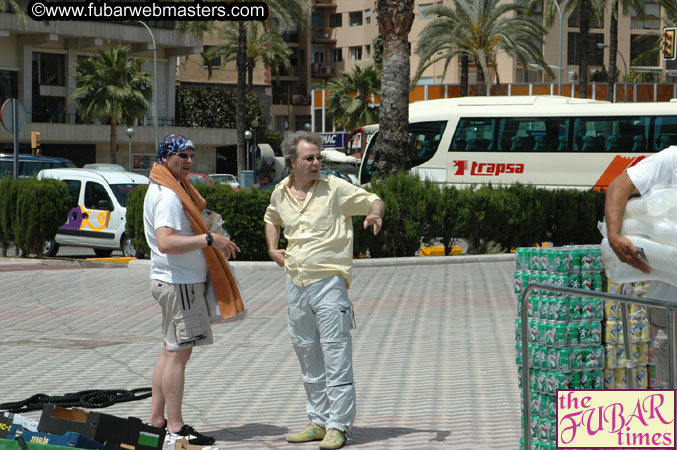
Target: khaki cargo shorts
column 185, row 319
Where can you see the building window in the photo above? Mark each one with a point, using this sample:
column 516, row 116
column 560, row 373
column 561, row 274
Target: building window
column 49, row 69
column 336, row 20
column 355, row 53
column 317, row 20
column 422, row 11
column 281, row 123
column 356, row 18
column 336, row 55
column 652, row 21
column 213, row 62
column 367, row 16
column 426, row 80
column 643, row 51
column 575, row 20
column 318, row 56
column 595, row 54
column 8, row 88
column 48, row 109
column 367, row 52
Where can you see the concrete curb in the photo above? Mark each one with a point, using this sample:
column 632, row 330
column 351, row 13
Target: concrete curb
column 99, row 264
column 371, row 262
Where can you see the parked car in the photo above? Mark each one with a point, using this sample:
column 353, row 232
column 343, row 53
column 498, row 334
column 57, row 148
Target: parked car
column 337, row 173
column 30, row 165
column 104, row 166
column 99, row 207
column 226, row 178
column 201, row 178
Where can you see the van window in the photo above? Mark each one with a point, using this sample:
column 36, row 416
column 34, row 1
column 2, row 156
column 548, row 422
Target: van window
column 94, row 193
column 74, row 190
column 121, row 192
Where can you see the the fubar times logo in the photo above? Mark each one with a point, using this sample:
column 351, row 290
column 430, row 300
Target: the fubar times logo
column 623, row 418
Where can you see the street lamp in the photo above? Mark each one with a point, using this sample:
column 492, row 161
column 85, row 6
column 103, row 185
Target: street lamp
column 625, row 66
column 561, row 12
column 154, row 80
column 247, row 136
column 255, row 125
column 307, row 126
column 130, row 133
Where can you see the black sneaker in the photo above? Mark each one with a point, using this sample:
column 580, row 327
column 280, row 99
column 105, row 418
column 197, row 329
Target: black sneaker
column 193, row 436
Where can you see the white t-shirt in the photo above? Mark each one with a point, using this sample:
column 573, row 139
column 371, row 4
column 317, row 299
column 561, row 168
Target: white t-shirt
column 163, row 208
column 659, row 168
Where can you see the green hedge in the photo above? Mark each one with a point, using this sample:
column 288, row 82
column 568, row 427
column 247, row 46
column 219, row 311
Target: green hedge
column 7, row 212
column 41, row 208
column 491, row 219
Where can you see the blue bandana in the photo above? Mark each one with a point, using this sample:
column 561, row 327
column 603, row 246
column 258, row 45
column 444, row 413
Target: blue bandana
column 173, row 143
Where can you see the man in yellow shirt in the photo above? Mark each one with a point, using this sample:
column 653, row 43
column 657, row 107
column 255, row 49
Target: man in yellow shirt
column 316, row 212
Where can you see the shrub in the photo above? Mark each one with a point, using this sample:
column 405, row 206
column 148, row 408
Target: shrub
column 7, row 212
column 134, row 226
column 41, row 208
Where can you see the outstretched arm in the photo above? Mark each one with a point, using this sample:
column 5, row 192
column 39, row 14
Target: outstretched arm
column 614, row 208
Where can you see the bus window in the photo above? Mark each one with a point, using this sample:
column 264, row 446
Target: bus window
column 425, row 138
column 473, row 134
column 665, row 132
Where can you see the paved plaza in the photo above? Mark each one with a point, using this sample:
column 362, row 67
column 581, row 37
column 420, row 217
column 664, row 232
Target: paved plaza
column 433, row 350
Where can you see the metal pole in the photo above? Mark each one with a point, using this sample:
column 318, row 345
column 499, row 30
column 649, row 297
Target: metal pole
column 561, row 12
column 130, row 153
column 154, row 80
column 625, row 85
column 15, row 119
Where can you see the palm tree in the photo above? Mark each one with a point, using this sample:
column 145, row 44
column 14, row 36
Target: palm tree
column 289, row 11
column 112, row 87
column 350, row 99
column 395, row 18
column 263, row 44
column 626, row 6
column 585, row 8
column 477, row 30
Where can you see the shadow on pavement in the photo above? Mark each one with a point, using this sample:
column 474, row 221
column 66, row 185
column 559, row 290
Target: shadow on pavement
column 248, row 431
column 364, row 435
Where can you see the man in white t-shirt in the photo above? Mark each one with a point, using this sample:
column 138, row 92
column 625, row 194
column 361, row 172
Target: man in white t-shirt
column 659, row 168
column 178, row 274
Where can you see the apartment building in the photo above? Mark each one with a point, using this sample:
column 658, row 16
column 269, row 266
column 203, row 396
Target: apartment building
column 36, row 66
column 341, row 36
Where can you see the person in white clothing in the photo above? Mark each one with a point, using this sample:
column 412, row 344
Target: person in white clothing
column 178, row 275
column 658, row 169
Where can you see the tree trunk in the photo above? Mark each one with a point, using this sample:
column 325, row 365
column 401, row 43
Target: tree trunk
column 613, row 48
column 481, row 82
column 583, row 53
column 465, row 68
column 251, row 65
column 393, row 146
column 241, row 118
column 113, row 141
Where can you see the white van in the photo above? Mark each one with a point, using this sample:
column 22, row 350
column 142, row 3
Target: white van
column 99, row 206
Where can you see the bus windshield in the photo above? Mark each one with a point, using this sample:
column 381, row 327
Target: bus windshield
column 425, row 138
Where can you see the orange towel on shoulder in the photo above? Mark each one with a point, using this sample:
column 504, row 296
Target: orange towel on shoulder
column 227, row 293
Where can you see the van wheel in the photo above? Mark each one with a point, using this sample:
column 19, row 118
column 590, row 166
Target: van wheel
column 50, row 248
column 128, row 248
column 103, row 252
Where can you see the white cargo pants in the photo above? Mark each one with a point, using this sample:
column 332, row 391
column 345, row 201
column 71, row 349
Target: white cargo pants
column 320, row 320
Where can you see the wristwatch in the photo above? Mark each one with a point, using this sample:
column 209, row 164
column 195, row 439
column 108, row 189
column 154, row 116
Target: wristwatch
column 210, row 239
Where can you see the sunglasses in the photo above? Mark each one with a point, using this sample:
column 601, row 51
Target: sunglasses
column 311, row 158
column 185, row 155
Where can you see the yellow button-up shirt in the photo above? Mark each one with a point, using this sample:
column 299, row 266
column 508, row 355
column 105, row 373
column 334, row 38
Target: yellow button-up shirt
column 319, row 233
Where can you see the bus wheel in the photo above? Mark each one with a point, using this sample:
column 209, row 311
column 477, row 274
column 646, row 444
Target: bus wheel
column 50, row 248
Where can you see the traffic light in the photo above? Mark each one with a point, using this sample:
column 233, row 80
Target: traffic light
column 668, row 44
column 35, row 140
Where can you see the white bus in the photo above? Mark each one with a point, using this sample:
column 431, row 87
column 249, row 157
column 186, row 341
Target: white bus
column 546, row 141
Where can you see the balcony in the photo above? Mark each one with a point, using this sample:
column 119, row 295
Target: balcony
column 324, row 4
column 320, row 70
column 324, row 35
